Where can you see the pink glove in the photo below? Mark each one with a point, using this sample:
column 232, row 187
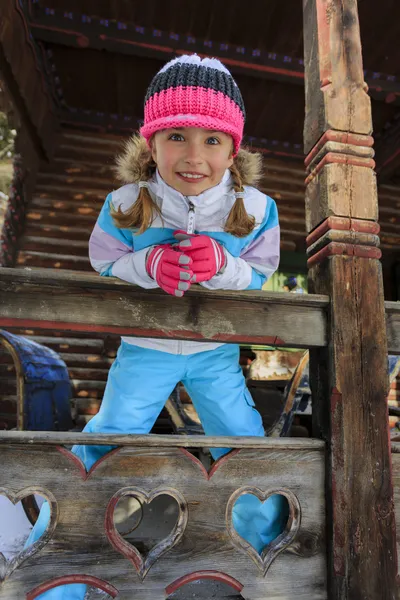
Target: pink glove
column 170, row 268
column 208, row 256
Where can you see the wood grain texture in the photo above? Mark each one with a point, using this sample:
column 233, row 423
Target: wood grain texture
column 396, row 494
column 80, row 544
column 350, row 413
column 342, row 190
column 46, row 300
column 49, row 294
column 349, row 379
column 51, row 438
column 336, row 93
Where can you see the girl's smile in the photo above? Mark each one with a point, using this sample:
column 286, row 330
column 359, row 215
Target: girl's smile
column 190, row 159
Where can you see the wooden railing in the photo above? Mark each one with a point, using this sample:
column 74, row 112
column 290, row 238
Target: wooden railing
column 49, row 300
column 82, row 543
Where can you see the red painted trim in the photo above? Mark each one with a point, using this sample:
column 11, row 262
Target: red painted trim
column 254, row 67
column 256, row 339
column 58, row 29
column 342, row 249
column 342, row 224
column 221, row 461
column 195, row 461
column 343, row 159
column 165, row 49
column 218, row 463
column 215, row 575
column 389, row 160
column 338, row 223
column 77, row 461
column 137, row 331
column 343, row 137
column 67, row 579
column 116, row 540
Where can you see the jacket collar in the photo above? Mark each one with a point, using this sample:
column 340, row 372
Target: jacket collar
column 161, row 189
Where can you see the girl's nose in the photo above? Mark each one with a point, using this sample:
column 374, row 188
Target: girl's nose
column 193, row 154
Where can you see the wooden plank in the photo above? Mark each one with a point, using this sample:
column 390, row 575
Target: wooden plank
column 114, row 288
column 349, row 379
column 72, row 301
column 62, row 438
column 82, row 530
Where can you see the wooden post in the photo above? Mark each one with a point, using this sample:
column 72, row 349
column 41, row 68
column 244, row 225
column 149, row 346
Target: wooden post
column 349, row 378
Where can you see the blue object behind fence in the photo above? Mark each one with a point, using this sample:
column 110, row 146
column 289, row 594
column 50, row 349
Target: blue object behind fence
column 46, row 392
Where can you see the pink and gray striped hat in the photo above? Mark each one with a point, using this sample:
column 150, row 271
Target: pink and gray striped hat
column 194, row 92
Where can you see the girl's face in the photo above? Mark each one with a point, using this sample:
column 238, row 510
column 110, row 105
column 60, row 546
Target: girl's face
column 192, row 160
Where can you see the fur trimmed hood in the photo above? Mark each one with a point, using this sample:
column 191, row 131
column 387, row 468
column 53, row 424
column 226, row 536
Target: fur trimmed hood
column 136, row 157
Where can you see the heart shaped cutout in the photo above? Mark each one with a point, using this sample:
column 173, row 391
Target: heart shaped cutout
column 281, row 542
column 8, row 565
column 144, row 562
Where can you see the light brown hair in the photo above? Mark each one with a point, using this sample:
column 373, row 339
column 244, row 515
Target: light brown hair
column 137, row 164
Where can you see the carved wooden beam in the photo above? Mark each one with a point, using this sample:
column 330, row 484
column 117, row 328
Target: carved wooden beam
column 77, row 30
column 349, row 378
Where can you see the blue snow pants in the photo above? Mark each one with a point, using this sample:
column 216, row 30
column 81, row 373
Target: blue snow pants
column 138, row 386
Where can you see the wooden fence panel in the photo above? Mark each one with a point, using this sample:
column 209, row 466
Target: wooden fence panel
column 82, row 540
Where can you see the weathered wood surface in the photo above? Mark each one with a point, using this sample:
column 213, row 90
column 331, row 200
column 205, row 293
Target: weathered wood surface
column 51, row 438
column 349, row 380
column 24, row 80
column 396, row 495
column 336, row 94
column 75, row 302
column 85, row 302
column 82, row 539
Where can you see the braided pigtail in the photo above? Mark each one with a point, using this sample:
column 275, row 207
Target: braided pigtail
column 143, row 212
column 239, row 222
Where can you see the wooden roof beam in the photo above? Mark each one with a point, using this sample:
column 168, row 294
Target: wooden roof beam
column 24, row 80
column 80, row 31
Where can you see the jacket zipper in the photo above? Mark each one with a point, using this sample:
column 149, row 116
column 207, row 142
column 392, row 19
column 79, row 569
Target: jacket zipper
column 189, row 229
column 191, row 217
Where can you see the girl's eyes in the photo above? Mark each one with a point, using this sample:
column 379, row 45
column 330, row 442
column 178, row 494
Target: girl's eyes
column 212, row 141
column 177, row 137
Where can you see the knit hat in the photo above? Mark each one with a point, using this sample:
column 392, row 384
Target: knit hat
column 194, row 92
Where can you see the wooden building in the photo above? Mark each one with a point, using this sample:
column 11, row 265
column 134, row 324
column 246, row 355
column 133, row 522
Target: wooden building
column 75, row 74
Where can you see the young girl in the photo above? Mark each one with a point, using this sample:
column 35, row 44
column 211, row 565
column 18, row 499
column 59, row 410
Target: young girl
column 187, row 214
